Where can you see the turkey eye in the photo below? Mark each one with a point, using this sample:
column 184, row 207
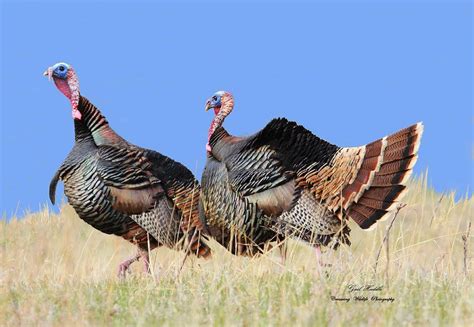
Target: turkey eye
column 61, row 68
column 214, row 98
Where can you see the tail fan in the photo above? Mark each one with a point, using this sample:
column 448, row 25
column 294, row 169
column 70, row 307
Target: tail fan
column 379, row 184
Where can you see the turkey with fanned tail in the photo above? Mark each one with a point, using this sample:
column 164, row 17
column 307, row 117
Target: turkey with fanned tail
column 122, row 189
column 286, row 182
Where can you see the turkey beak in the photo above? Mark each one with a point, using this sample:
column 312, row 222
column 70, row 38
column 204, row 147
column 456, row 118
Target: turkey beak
column 208, row 105
column 48, row 72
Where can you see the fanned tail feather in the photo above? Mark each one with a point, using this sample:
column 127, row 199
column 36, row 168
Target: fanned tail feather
column 379, row 184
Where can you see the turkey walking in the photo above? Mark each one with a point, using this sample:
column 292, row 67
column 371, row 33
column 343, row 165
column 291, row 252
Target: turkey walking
column 122, row 189
column 286, row 182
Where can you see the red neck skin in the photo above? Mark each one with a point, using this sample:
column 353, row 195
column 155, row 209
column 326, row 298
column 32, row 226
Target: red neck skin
column 220, row 115
column 70, row 88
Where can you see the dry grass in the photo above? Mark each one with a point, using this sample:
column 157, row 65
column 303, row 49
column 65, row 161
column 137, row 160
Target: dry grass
column 57, row 270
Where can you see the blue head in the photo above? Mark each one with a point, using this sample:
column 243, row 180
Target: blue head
column 59, row 70
column 215, row 102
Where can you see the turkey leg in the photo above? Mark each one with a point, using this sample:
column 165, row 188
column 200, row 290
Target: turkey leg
column 141, row 254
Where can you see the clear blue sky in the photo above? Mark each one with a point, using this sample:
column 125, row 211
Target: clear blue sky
column 350, row 71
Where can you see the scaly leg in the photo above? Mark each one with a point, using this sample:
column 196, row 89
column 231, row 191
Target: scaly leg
column 141, row 254
column 124, row 266
column 283, row 252
column 146, row 260
column 318, row 255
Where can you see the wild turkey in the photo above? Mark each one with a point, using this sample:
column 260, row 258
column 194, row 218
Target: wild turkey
column 119, row 188
column 284, row 181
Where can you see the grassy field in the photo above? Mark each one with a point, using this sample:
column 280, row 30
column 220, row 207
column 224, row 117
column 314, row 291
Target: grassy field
column 56, row 270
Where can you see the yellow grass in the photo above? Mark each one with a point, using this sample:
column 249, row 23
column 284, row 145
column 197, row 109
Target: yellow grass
column 56, row 270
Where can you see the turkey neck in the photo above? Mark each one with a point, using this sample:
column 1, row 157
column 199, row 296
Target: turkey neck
column 216, row 131
column 220, row 116
column 94, row 123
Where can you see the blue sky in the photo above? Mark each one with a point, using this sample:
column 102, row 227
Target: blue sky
column 350, row 71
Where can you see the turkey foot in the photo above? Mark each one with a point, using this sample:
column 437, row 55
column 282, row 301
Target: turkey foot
column 141, row 254
column 124, row 266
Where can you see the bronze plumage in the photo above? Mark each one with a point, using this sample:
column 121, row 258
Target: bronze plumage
column 122, row 189
column 286, row 182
